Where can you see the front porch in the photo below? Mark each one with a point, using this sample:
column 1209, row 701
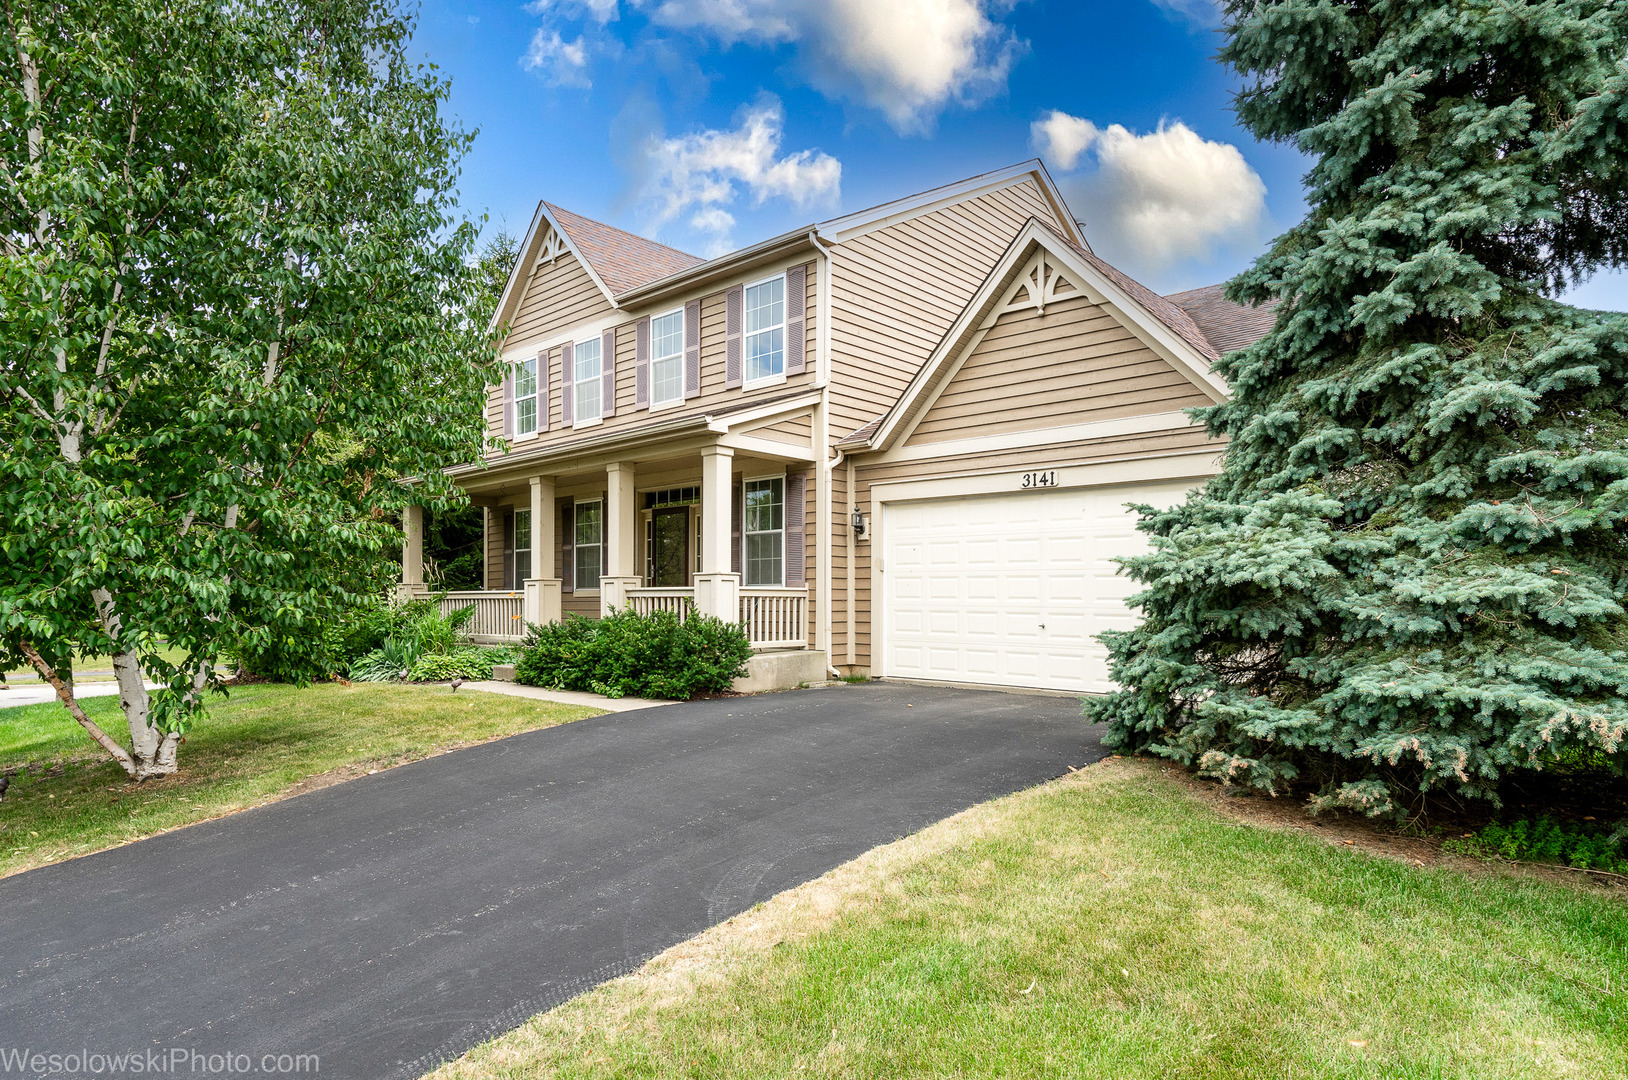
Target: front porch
column 697, row 526
column 774, row 618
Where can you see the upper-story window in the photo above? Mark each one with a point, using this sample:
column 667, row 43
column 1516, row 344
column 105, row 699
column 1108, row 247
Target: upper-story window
column 766, row 330
column 525, row 397
column 588, row 400
column 667, row 358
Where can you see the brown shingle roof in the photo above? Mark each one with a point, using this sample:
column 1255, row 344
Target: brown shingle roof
column 622, row 260
column 1229, row 326
column 863, row 435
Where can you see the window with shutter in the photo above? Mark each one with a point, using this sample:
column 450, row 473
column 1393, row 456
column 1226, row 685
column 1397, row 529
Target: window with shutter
column 523, row 396
column 667, row 358
column 567, row 385
column 764, row 331
column 764, row 531
column 587, row 392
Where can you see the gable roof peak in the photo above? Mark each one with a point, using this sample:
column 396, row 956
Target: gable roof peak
column 622, row 260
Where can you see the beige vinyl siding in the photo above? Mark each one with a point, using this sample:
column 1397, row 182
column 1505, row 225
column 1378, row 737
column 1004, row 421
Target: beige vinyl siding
column 1073, row 365
column 713, row 393
column 799, row 430
column 494, row 546
column 1018, row 461
column 897, row 290
column 559, row 296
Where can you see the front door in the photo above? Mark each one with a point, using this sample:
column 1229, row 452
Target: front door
column 670, row 547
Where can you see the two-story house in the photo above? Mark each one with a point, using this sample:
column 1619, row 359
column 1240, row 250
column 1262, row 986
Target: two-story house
column 898, row 442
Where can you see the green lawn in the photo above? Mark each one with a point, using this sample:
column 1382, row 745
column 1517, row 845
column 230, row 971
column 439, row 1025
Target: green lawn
column 1112, row 925
column 95, row 668
column 255, row 745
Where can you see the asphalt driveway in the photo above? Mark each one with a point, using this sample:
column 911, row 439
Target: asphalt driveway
column 390, row 923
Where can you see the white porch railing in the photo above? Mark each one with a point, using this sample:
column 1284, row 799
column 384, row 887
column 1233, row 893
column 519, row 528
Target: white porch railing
column 499, row 616
column 775, row 618
column 649, row 601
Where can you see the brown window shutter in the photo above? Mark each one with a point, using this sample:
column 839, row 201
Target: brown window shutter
column 568, row 537
column 641, row 363
column 737, row 528
column 795, row 540
column 734, row 302
column 692, row 349
column 508, row 550
column 542, row 390
column 607, row 370
column 508, row 405
column 796, row 296
column 568, row 377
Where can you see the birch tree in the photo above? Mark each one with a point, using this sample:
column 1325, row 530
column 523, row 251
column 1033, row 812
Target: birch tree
column 235, row 306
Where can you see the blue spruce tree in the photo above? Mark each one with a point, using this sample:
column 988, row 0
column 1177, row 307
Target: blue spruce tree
column 1411, row 574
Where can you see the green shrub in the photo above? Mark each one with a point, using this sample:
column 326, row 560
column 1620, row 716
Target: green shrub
column 1550, row 841
column 460, row 663
column 631, row 655
column 392, row 660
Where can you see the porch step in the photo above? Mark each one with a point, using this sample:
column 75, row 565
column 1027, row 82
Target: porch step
column 782, row 669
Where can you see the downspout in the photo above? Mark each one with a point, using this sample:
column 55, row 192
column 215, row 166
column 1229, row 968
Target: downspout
column 822, row 439
column 831, row 669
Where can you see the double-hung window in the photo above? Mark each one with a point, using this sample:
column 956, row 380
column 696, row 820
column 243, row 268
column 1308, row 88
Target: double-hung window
column 765, row 532
column 766, row 330
column 525, row 397
column 667, row 358
column 588, row 400
column 522, row 547
column 589, row 542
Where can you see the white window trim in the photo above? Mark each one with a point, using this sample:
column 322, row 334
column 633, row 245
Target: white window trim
column 767, row 380
column 745, row 556
column 533, row 397
column 683, row 337
column 514, row 556
column 576, row 387
column 575, row 547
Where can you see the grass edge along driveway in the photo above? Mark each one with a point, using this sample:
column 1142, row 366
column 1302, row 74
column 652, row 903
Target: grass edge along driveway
column 1109, row 924
column 263, row 742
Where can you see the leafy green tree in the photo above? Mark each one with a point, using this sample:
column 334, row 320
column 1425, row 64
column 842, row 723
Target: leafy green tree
column 1410, row 575
column 235, row 305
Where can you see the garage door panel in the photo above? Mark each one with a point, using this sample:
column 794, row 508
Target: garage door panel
column 1012, row 589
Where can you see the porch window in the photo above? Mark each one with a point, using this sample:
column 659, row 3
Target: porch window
column 522, row 547
column 525, row 397
column 590, row 543
column 766, row 330
column 667, row 358
column 765, row 532
column 588, row 401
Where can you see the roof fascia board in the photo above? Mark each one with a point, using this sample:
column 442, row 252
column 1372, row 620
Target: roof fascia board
column 845, row 228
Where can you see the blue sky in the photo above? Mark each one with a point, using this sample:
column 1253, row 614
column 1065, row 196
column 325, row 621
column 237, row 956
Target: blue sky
column 710, row 124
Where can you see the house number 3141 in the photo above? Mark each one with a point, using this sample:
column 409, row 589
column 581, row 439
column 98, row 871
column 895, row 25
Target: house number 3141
column 1040, row 479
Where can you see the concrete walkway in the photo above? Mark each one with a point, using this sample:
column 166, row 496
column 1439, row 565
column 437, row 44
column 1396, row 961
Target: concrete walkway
column 565, row 697
column 34, row 693
column 390, row 923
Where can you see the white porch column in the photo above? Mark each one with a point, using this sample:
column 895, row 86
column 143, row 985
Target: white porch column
column 621, row 572
column 717, row 586
column 412, row 551
column 543, row 587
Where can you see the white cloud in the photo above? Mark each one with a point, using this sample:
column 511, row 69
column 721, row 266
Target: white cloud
column 562, row 63
column 1200, row 14
column 1157, row 198
column 702, row 173
column 906, row 58
column 1061, row 138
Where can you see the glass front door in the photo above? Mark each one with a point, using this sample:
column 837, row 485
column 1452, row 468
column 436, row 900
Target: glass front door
column 670, row 547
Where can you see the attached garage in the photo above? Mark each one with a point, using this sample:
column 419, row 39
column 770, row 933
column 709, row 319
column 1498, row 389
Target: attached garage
column 1010, row 589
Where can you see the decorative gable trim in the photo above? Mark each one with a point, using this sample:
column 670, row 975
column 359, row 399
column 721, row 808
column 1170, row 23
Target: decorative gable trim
column 1037, row 268
column 545, row 242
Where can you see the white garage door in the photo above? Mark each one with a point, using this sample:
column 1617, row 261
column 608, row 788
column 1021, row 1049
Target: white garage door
column 1011, row 590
